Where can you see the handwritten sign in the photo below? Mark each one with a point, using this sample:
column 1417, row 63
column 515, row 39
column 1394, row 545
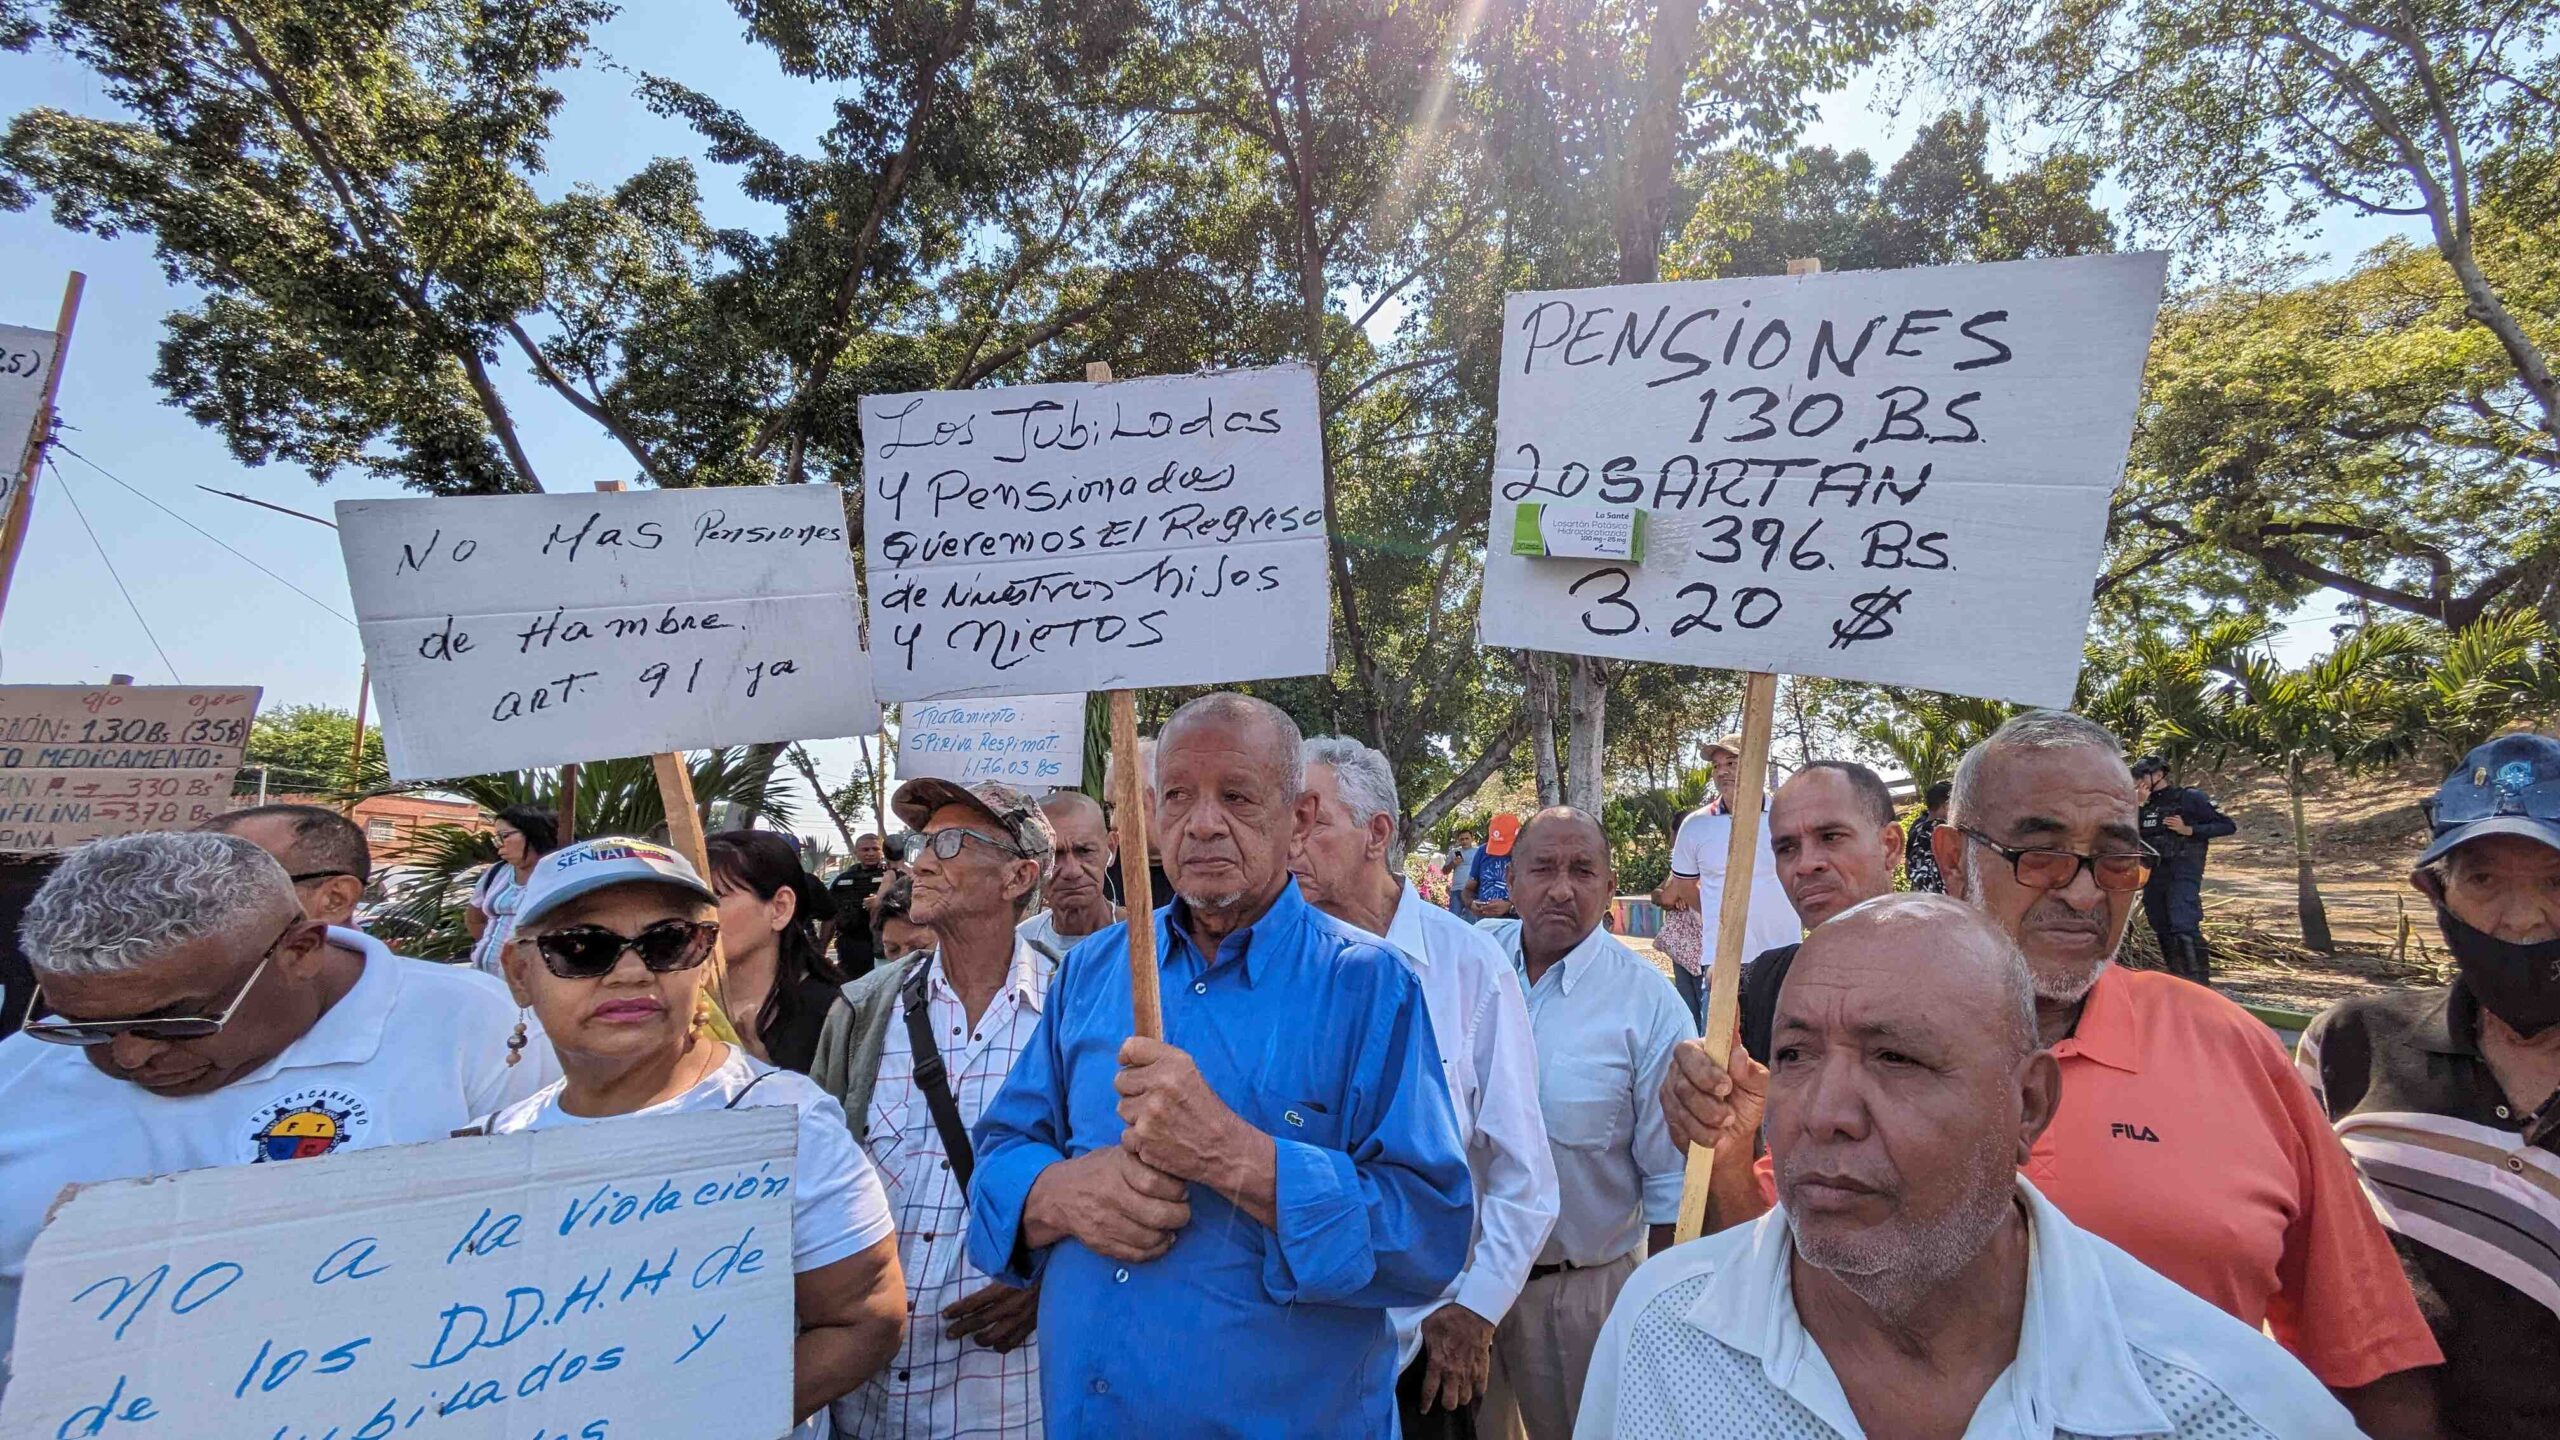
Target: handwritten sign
column 519, row 630
column 1049, row 538
column 1034, row 741
column 26, row 358
column 80, row 762
column 1895, row 475
column 620, row 1281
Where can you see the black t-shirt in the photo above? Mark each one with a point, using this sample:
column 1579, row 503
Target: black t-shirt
column 851, row 890
column 791, row 1024
column 2414, row 1057
column 1760, row 981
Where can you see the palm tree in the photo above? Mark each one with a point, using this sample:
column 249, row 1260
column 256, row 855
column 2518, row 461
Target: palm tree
column 615, row 797
column 2353, row 706
column 2490, row 674
column 1927, row 733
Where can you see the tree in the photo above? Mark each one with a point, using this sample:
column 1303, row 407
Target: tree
column 2243, row 118
column 346, row 182
column 2344, row 707
column 306, row 749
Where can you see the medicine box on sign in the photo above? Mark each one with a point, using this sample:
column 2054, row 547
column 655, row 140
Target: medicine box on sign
column 1578, row 532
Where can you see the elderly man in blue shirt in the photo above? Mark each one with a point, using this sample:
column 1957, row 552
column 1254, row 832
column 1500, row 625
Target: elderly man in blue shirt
column 1220, row 1221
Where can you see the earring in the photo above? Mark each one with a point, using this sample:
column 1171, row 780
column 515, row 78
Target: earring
column 516, row 1042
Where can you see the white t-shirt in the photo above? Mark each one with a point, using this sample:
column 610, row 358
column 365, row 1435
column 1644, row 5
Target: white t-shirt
column 1699, row 853
column 498, row 894
column 838, row 1209
column 412, row 1052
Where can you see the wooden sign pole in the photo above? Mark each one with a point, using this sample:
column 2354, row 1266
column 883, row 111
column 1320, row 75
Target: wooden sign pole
column 1137, row 882
column 20, row 511
column 684, row 832
column 1733, row 914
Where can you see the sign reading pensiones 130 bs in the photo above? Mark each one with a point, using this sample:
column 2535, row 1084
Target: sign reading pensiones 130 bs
column 1894, row 475
column 508, row 631
column 1042, row 539
column 624, row 1281
column 81, row 762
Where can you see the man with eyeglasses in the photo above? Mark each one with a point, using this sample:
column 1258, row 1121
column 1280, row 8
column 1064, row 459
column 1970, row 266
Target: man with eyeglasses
column 915, row 1051
column 2183, row 1135
column 191, row 1016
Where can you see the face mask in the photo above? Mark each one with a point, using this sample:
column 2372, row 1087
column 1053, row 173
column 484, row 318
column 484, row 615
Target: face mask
column 2519, row 984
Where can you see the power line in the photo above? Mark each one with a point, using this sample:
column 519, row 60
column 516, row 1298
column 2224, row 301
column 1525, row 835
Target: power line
column 68, row 494
column 209, row 535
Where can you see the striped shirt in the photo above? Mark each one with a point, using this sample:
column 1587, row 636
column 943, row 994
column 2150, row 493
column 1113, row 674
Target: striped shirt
column 938, row 1386
column 2467, row 1183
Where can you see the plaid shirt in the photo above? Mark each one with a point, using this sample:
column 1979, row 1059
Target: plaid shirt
column 939, row 1386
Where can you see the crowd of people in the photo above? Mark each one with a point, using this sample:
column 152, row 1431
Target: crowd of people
column 1401, row 1166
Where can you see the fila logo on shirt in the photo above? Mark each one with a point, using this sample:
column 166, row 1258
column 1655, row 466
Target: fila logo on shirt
column 2122, row 1131
column 307, row 1124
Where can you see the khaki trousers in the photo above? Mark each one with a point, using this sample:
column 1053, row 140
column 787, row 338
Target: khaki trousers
column 1542, row 1351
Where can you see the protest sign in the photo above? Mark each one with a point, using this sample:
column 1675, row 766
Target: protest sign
column 79, row 762
column 1049, row 538
column 1898, row 475
column 1035, row 741
column 26, row 361
column 618, row 1281
column 520, row 630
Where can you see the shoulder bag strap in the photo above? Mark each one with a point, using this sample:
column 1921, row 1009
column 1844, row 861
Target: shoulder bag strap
column 934, row 1079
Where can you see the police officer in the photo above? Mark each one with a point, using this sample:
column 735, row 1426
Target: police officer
column 2177, row 821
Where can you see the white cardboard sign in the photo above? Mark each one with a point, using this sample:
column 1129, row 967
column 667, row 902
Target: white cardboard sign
column 508, row 631
column 26, row 358
column 1053, row 538
column 1033, row 741
column 1893, row 475
column 618, row 1281
column 80, row 762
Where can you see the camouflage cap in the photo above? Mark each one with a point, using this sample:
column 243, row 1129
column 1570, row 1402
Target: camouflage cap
column 1014, row 812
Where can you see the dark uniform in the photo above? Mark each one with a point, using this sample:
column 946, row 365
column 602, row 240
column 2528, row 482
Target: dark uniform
column 2172, row 899
column 851, row 890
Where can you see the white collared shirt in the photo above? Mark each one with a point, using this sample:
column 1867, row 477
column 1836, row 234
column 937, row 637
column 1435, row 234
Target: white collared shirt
column 412, row 1052
column 1705, row 1344
column 937, row 1385
column 1699, row 853
column 1482, row 1025
column 1605, row 1022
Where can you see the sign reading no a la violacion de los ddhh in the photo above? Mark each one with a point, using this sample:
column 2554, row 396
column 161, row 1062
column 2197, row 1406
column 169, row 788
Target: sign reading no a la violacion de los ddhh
column 1048, row 539
column 508, row 631
column 1895, row 475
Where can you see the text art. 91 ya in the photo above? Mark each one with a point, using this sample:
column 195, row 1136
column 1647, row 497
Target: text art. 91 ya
column 1894, row 475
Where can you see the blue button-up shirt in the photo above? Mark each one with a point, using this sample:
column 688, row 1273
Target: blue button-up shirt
column 1315, row 1035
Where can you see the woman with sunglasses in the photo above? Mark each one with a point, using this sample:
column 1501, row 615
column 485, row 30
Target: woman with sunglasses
column 778, row 985
column 609, row 951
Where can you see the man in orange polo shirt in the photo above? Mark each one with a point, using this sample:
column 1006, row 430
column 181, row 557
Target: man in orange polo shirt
column 2183, row 1135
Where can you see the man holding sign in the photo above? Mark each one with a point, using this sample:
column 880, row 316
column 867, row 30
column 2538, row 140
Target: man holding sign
column 1220, row 1220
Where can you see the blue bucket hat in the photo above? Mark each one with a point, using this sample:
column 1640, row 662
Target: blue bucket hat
column 2510, row 786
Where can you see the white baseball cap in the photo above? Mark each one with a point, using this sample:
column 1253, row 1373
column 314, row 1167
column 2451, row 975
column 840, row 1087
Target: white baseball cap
column 591, row 865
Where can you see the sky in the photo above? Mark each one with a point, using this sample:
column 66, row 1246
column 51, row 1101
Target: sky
column 126, row 476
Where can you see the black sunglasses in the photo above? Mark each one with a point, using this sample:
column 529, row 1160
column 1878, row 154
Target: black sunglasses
column 589, row 952
column 174, row 1027
column 2043, row 869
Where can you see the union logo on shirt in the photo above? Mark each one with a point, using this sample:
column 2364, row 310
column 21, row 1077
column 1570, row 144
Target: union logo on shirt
column 306, row 1124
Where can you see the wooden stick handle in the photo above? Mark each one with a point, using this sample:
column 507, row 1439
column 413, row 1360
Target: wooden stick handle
column 1137, row 885
column 1733, row 917
column 684, row 832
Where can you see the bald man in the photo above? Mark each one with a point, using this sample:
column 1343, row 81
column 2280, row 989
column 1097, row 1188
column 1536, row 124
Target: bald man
column 1912, row 1282
column 1079, row 900
column 1604, row 1022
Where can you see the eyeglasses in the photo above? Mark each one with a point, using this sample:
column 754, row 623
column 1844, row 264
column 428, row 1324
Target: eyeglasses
column 589, row 952
column 2041, row 869
column 948, row 844
column 172, row 1028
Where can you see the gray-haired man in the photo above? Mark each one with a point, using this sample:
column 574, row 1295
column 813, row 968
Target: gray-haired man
column 192, row 1015
column 1345, row 864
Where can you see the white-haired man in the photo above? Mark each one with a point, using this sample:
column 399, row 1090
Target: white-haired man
column 191, row 1015
column 1078, row 888
column 2183, row 1133
column 1346, row 867
column 1914, row 1284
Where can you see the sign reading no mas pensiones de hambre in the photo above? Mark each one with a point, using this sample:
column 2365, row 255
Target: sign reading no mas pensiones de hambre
column 508, row 631
column 1046, row 539
column 1894, row 475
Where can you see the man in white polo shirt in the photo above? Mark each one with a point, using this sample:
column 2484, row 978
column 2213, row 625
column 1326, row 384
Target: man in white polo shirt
column 191, row 1015
column 1444, row 1352
column 1912, row 1282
